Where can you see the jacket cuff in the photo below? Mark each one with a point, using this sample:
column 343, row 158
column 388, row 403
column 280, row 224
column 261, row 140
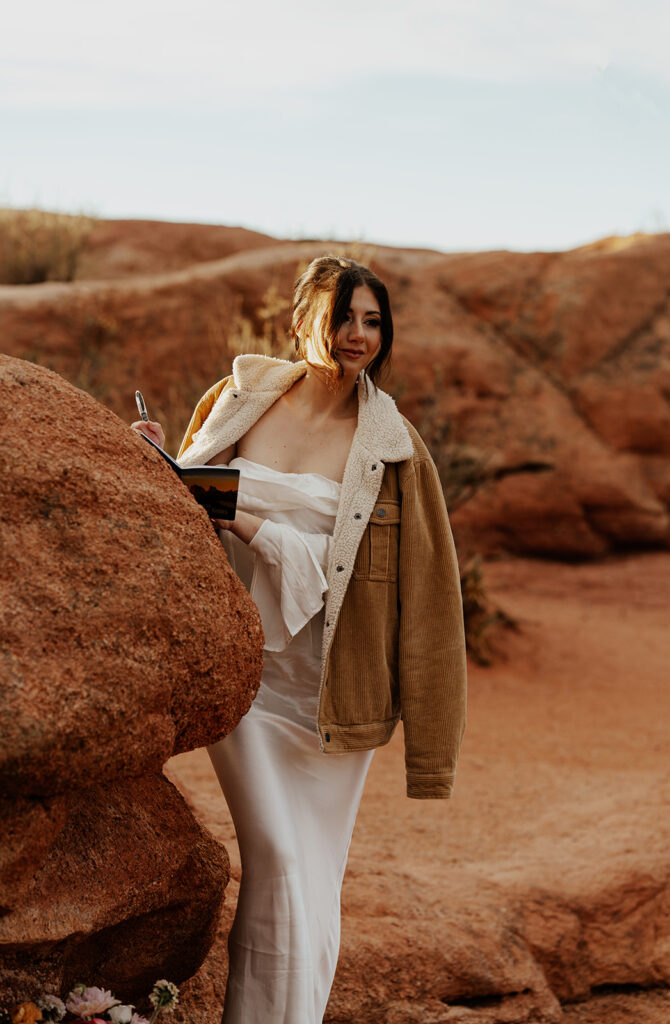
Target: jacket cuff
column 430, row 785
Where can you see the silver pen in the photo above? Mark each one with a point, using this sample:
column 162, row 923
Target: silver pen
column 141, row 406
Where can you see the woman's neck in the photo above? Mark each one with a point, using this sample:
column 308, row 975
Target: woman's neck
column 316, row 398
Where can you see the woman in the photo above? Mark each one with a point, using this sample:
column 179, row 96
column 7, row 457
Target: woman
column 343, row 540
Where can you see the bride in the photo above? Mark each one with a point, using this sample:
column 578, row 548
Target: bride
column 343, row 540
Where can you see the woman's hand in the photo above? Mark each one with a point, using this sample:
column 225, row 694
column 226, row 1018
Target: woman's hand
column 244, row 525
column 152, row 430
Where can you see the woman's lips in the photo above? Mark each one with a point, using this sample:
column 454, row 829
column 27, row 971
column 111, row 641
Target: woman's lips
column 352, row 355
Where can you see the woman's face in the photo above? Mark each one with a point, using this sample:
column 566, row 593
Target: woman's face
column 360, row 337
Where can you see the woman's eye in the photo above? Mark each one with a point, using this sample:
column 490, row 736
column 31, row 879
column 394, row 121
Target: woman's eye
column 373, row 323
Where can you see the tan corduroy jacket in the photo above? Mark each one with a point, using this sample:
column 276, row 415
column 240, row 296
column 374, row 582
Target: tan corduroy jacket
column 393, row 640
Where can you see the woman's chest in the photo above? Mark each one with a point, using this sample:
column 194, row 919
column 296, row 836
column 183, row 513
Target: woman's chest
column 290, row 444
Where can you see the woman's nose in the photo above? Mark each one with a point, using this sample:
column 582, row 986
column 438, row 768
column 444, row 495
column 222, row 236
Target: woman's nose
column 356, row 328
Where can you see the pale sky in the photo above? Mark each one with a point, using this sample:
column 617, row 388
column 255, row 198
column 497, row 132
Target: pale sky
column 460, row 124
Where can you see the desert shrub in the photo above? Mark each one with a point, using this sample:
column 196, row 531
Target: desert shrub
column 463, row 469
column 483, row 620
column 37, row 246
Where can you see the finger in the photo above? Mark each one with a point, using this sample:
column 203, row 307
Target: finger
column 158, row 431
column 149, row 430
column 221, row 524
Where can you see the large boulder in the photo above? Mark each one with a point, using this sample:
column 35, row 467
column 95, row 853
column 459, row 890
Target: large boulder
column 125, row 635
column 125, row 638
column 30, row 827
column 129, row 890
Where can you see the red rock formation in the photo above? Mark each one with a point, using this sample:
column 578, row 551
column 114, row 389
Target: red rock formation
column 544, row 374
column 130, row 890
column 125, row 638
column 589, row 334
column 30, row 827
column 130, row 637
column 126, row 248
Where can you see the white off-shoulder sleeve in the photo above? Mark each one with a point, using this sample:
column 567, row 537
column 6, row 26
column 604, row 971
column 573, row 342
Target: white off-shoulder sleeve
column 289, row 579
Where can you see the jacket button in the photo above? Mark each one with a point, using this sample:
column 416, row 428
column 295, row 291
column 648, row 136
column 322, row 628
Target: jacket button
column 357, row 515
column 234, row 395
column 328, row 623
column 327, row 737
column 340, row 568
column 374, row 465
column 381, row 512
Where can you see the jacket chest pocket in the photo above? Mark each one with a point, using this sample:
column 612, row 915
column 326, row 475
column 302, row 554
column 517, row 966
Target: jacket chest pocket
column 377, row 555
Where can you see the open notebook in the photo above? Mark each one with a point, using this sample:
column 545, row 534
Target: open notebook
column 214, row 487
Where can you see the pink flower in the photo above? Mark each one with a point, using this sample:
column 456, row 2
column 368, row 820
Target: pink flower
column 90, row 1020
column 137, row 1019
column 90, row 1002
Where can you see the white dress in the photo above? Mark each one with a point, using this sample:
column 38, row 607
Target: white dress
column 293, row 806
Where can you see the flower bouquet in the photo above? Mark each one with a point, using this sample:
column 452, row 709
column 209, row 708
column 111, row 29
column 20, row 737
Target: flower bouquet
column 87, row 1005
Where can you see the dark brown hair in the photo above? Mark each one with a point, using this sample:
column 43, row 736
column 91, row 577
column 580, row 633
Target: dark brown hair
column 321, row 302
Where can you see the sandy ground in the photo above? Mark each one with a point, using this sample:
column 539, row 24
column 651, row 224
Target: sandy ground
column 561, row 800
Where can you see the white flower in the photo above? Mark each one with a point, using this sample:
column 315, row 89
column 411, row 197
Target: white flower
column 53, row 1008
column 121, row 1014
column 165, row 995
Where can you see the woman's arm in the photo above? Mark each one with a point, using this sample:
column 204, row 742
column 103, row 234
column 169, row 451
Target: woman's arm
column 290, row 583
column 224, row 457
column 244, row 525
column 431, row 655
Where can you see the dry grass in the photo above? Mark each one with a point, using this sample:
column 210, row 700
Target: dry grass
column 271, row 339
column 37, row 246
column 483, row 622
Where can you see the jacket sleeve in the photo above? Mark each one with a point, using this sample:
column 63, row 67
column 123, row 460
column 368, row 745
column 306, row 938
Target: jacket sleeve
column 202, row 411
column 431, row 655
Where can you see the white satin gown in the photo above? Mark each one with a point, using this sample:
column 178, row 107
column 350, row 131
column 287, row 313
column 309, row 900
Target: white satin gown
column 293, row 806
